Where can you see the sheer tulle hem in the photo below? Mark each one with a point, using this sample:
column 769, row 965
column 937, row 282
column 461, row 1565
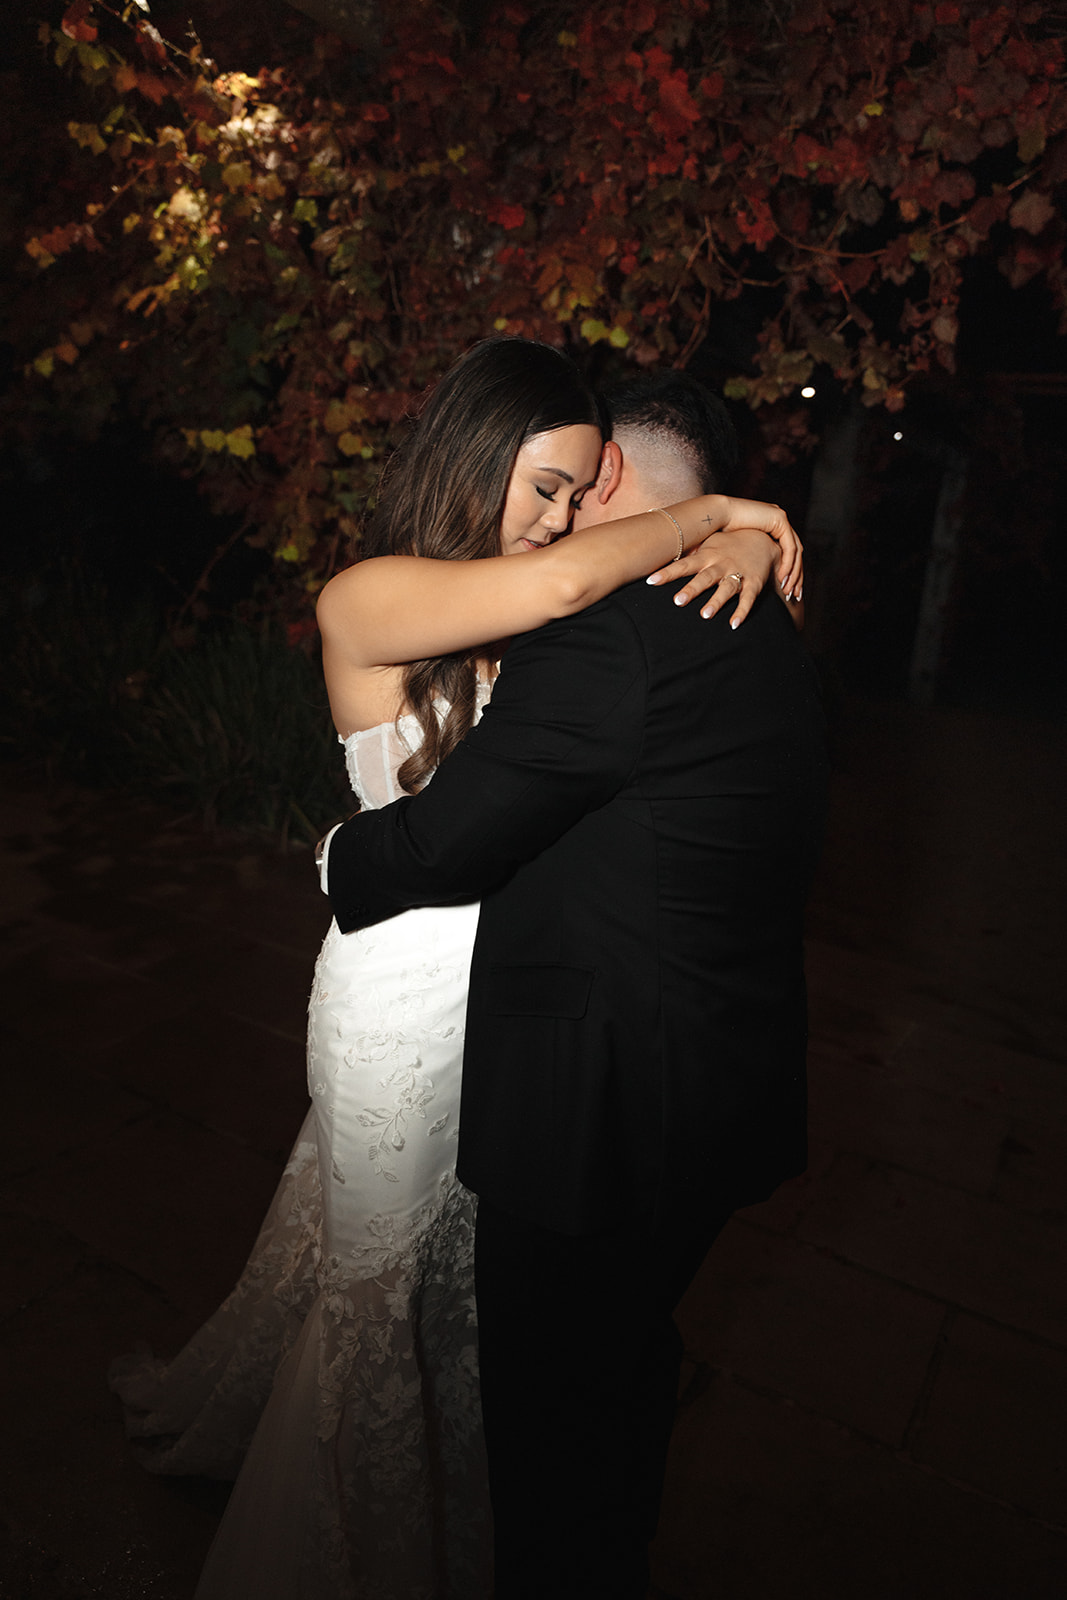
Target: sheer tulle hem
column 352, row 1401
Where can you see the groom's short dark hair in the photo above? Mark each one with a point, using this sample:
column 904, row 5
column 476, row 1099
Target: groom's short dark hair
column 689, row 418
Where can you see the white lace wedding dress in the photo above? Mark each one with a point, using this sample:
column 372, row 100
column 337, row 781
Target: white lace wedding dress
column 342, row 1369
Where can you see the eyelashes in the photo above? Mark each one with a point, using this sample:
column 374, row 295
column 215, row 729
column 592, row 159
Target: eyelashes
column 576, row 499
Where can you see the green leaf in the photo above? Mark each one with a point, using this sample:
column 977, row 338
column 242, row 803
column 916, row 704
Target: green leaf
column 240, row 443
column 1032, row 141
column 824, row 347
column 87, row 134
column 594, row 331
column 43, row 257
column 237, row 175
column 91, row 57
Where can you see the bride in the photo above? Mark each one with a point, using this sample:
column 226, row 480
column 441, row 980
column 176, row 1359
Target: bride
column 338, row 1382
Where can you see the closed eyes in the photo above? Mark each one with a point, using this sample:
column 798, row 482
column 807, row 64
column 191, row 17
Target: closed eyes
column 576, row 498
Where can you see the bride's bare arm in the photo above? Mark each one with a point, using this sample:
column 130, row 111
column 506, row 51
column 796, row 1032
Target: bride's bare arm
column 393, row 609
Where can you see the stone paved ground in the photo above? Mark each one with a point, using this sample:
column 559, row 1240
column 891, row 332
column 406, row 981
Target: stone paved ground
column 874, row 1404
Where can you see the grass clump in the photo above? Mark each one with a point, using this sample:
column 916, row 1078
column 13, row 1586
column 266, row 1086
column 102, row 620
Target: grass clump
column 231, row 725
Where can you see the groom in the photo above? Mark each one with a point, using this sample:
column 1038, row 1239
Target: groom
column 639, row 812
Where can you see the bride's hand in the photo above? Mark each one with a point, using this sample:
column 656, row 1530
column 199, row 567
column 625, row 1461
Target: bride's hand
column 739, row 548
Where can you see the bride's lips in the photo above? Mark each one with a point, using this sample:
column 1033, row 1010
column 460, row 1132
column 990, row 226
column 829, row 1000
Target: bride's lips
column 532, row 544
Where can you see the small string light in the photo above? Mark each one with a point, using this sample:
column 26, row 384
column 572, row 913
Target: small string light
column 807, row 393
column 898, row 437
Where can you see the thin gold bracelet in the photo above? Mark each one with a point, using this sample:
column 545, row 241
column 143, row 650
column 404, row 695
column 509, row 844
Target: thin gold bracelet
column 678, row 525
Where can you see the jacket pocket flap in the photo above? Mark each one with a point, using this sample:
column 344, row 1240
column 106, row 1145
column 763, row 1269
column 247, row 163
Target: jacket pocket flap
column 539, row 991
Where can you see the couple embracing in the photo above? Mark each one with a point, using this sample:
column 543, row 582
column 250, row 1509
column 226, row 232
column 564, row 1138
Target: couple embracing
column 637, row 812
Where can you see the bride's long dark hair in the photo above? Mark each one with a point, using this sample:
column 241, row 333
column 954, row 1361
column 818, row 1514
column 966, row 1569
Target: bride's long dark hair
column 443, row 495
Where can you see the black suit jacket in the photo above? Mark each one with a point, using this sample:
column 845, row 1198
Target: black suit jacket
column 639, row 812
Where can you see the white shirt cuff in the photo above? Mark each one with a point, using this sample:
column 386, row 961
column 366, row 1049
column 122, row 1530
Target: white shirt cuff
column 322, row 855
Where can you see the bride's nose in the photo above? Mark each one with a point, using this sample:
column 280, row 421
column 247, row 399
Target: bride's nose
column 556, row 518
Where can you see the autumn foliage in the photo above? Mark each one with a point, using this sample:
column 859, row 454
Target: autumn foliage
column 273, row 262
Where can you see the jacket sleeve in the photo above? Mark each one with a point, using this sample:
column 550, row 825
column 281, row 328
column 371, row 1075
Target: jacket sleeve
column 559, row 738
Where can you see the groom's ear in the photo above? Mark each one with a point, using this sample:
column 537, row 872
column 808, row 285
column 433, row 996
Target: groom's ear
column 610, row 475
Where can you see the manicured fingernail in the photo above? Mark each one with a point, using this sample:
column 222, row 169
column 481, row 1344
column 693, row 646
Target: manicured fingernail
column 681, row 599
column 734, row 623
column 798, row 593
column 653, row 577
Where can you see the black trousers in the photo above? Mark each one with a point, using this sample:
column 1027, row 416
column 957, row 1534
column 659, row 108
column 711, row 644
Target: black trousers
column 579, row 1359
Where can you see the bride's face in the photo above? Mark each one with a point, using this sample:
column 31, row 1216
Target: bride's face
column 552, row 472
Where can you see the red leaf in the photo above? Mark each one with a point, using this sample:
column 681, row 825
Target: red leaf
column 937, row 96
column 945, row 327
column 962, row 143
column 507, row 216
column 848, row 161
column 74, row 24
column 61, row 238
column 1023, row 263
column 952, row 188
column 152, row 88
column 1021, row 55
column 757, row 224
column 911, row 120
column 657, row 63
column 151, row 43
column 640, row 17
column 960, row 65
column 712, row 86
column 670, row 157
column 676, row 100
column 857, row 274
column 997, row 133
column 987, row 32
column 807, row 152
column 992, row 208
column 1033, row 212
column 896, row 262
